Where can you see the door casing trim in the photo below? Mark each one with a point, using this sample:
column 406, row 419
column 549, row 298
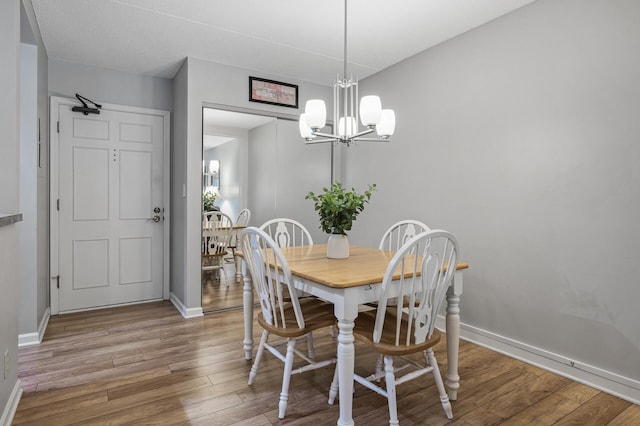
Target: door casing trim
column 54, row 191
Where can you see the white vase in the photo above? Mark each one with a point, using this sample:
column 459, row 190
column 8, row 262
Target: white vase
column 338, row 246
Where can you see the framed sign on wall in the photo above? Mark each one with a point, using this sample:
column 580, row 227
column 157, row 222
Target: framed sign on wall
column 273, row 92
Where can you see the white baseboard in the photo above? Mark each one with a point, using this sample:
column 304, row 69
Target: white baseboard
column 12, row 404
column 606, row 381
column 186, row 313
column 30, row 339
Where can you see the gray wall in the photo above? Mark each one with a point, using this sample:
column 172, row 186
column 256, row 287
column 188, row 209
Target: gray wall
column 215, row 85
column 300, row 168
column 43, row 278
column 9, row 193
column 109, row 86
column 178, row 183
column 233, row 158
column 262, row 179
column 282, row 171
column 34, row 186
column 28, row 187
column 521, row 137
column 233, row 170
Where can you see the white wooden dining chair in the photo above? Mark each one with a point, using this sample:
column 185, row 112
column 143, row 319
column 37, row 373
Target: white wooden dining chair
column 282, row 313
column 421, row 271
column 243, row 217
column 290, row 233
column 401, row 232
column 394, row 238
column 287, row 232
column 216, row 235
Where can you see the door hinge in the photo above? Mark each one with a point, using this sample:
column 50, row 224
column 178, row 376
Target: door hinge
column 58, row 204
column 58, row 127
column 57, row 278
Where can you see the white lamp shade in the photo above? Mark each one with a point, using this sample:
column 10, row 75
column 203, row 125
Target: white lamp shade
column 305, row 130
column 387, row 124
column 214, row 166
column 370, row 108
column 347, row 127
column 315, row 113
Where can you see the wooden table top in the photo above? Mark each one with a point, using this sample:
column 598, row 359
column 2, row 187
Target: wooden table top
column 363, row 266
column 234, row 227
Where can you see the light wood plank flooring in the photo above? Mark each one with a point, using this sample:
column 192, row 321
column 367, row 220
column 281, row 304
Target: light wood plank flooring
column 145, row 364
column 221, row 291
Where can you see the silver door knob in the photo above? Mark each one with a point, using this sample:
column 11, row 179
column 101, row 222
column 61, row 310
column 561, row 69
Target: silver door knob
column 156, row 219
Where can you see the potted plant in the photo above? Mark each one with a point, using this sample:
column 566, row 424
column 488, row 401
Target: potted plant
column 338, row 208
column 208, row 200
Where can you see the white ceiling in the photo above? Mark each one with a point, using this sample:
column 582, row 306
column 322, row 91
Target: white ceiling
column 299, row 39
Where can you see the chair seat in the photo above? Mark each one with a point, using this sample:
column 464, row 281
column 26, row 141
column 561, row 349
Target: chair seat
column 216, row 254
column 363, row 331
column 316, row 313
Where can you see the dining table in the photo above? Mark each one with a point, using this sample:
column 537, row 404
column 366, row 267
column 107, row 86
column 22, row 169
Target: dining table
column 349, row 283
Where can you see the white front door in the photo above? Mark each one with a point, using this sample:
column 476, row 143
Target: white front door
column 111, row 208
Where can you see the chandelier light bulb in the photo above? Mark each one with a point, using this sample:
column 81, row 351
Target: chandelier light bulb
column 347, row 127
column 214, row 166
column 315, row 113
column 305, row 130
column 387, row 124
column 370, row 108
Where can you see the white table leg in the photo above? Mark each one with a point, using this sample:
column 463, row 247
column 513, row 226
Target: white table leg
column 346, row 311
column 238, row 261
column 346, row 359
column 247, row 304
column 453, row 336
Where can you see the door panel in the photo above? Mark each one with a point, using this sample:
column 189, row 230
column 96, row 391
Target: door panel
column 136, row 169
column 110, row 181
column 135, row 260
column 90, row 168
column 90, row 264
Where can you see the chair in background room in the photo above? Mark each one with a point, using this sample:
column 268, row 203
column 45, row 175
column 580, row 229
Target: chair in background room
column 243, row 217
column 401, row 232
column 216, row 236
column 283, row 315
column 241, row 221
column 421, row 271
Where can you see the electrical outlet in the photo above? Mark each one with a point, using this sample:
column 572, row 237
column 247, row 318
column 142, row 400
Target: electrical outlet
column 6, row 363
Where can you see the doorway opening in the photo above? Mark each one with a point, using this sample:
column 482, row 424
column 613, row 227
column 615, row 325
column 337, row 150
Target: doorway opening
column 226, row 137
column 260, row 163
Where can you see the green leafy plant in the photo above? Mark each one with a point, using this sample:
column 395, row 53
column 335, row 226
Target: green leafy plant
column 208, row 200
column 338, row 208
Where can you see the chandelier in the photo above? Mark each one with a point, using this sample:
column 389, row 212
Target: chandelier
column 346, row 112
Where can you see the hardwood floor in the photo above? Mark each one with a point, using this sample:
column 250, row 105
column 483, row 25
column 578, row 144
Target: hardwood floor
column 221, row 291
column 145, row 364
